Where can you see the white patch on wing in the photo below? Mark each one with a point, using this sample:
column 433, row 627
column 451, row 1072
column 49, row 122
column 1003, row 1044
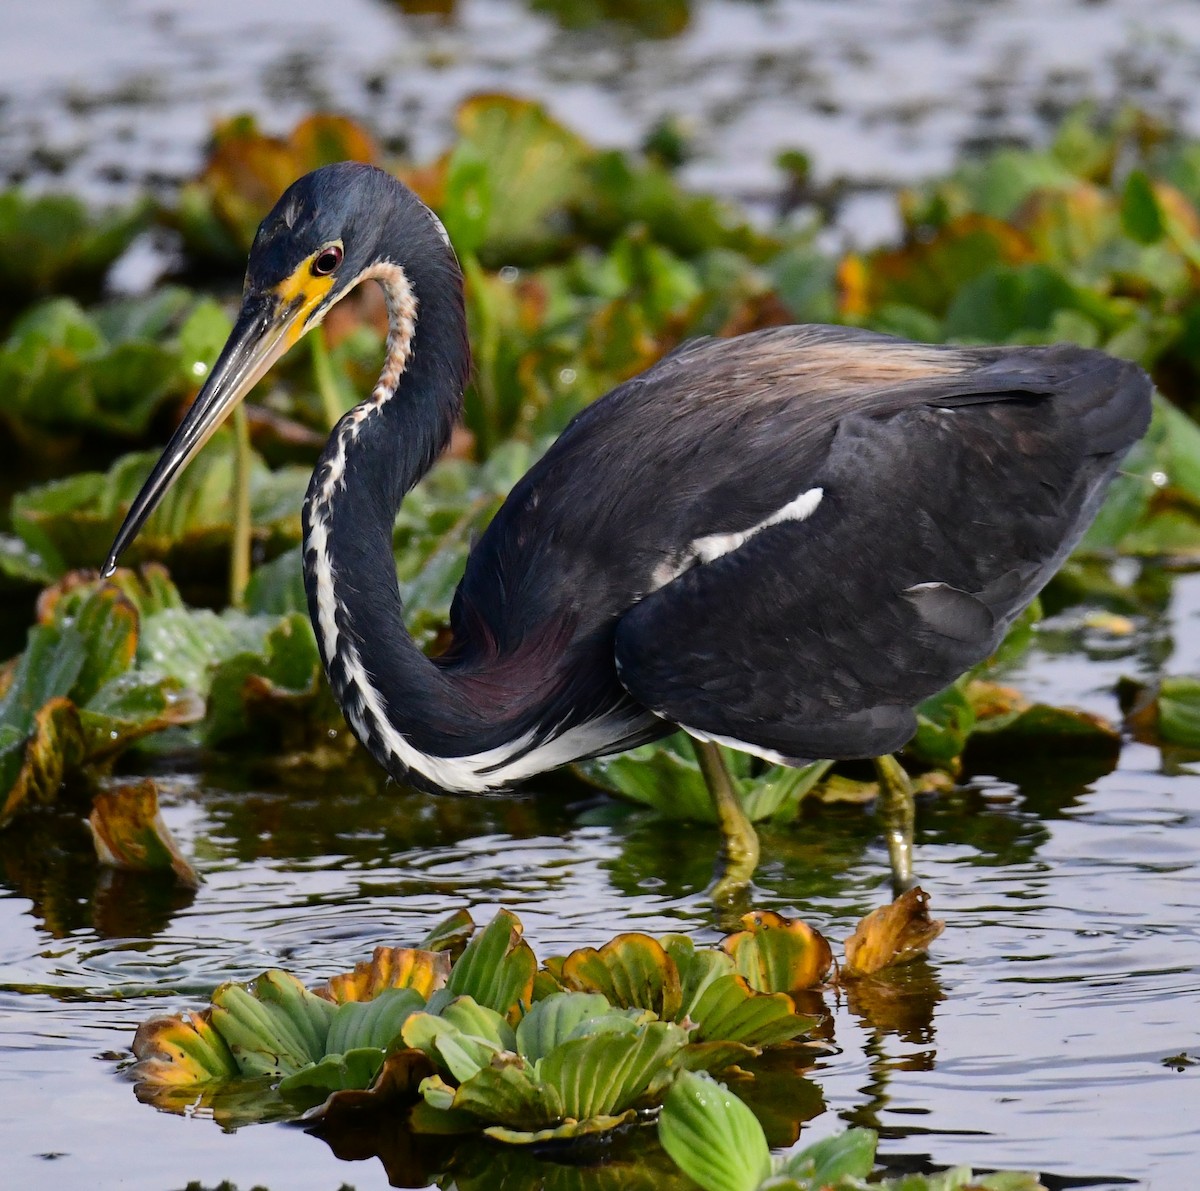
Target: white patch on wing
column 716, row 545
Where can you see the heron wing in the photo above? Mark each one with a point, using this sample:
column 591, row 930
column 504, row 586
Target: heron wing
column 938, row 521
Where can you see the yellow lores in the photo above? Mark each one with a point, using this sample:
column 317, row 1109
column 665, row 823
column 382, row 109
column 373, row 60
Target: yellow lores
column 300, row 294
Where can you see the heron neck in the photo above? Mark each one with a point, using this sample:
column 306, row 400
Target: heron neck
column 393, row 696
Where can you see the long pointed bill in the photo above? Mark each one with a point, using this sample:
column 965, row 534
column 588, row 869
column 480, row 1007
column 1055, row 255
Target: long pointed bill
column 266, row 327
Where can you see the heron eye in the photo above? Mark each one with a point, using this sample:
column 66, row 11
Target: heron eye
column 327, row 260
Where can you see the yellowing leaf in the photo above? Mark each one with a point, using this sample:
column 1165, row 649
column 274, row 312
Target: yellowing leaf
column 892, row 934
column 129, row 833
column 633, row 971
column 389, row 967
column 778, row 954
column 182, row 1050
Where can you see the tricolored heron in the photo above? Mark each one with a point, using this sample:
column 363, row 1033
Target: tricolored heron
column 782, row 541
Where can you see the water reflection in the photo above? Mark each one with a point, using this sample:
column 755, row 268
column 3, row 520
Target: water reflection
column 1065, row 975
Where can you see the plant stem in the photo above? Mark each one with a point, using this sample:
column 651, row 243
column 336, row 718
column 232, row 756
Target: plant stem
column 738, row 837
column 239, row 560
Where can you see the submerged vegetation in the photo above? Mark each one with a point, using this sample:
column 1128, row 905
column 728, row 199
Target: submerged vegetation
column 605, row 264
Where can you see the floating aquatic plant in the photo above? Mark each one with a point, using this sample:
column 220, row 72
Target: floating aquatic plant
column 717, row 1141
column 491, row 1041
column 73, row 701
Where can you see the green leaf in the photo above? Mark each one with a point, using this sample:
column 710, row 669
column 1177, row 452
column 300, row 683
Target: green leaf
column 944, row 722
column 451, row 934
column 1014, row 301
column 509, row 147
column 337, row 1072
column 375, row 1023
column 847, row 1155
column 274, row 1028
column 54, row 242
column 604, row 1074
column 478, row 1021
column 665, row 776
column 497, row 967
column 467, row 208
column 1141, row 214
column 71, row 522
column 181, row 1051
column 1179, row 711
column 457, row 1053
column 728, row 1010
column 778, row 954
column 588, row 1127
column 555, row 1019
column 712, row 1136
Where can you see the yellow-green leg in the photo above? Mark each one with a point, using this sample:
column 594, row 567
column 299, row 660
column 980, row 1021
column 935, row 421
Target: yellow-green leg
column 897, row 810
column 739, row 840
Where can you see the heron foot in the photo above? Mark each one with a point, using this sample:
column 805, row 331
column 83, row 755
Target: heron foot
column 739, row 840
column 898, row 813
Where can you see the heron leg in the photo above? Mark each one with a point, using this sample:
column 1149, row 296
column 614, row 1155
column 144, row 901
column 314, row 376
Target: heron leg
column 739, row 840
column 897, row 810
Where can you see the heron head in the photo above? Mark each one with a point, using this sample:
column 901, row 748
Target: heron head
column 330, row 230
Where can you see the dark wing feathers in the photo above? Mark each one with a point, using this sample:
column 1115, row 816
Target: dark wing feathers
column 941, row 520
column 955, row 482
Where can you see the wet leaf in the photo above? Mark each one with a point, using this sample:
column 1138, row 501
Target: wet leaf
column 849, row 1155
column 352, row 1070
column 275, row 1027
column 497, row 967
column 556, row 1019
column 389, row 967
column 451, row 934
column 129, row 832
column 183, row 1050
column 778, row 954
column 892, row 934
column 631, row 971
column 713, row 1136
